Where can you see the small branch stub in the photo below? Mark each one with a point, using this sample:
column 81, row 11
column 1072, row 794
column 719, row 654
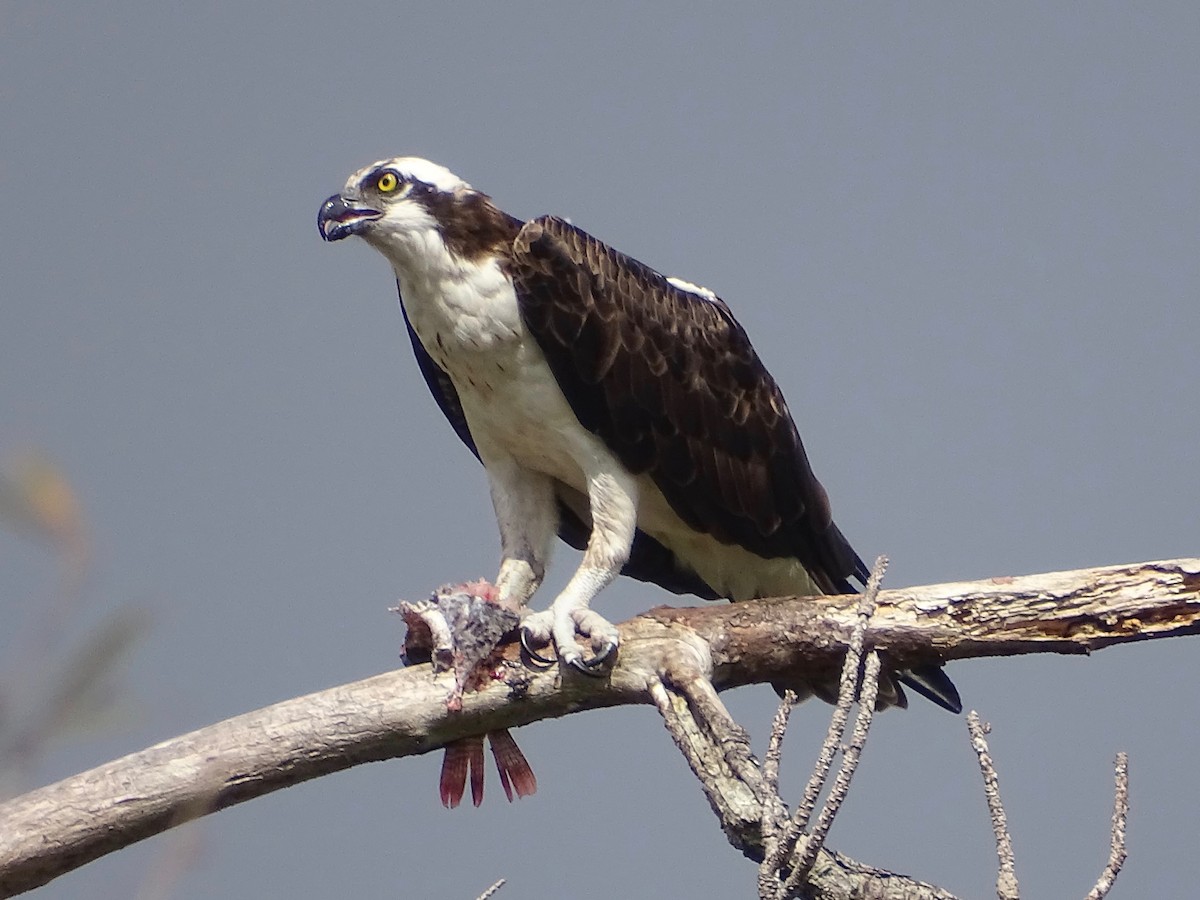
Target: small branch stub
column 1006, row 879
column 1006, row 876
column 857, row 682
column 1116, row 856
column 492, row 890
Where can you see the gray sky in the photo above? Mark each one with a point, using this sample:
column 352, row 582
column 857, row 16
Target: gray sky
column 963, row 238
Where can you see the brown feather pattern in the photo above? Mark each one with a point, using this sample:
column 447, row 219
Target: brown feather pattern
column 670, row 381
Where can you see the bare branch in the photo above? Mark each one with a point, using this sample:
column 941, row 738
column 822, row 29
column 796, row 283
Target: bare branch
column 1116, row 856
column 490, row 891
column 841, row 785
column 717, row 751
column 846, row 694
column 1006, row 877
column 1062, row 612
column 735, row 803
column 783, row 848
column 779, row 726
column 62, row 826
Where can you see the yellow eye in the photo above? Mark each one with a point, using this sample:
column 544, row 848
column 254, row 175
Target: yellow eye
column 387, row 182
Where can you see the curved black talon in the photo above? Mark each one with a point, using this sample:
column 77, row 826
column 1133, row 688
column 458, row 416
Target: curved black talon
column 588, row 667
column 535, row 659
column 595, row 665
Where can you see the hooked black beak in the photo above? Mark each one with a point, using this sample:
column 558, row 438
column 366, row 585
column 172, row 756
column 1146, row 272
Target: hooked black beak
column 340, row 218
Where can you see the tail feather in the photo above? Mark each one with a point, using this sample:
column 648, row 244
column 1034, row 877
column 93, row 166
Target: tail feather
column 453, row 781
column 932, row 683
column 515, row 773
column 827, row 689
column 476, row 761
column 929, row 680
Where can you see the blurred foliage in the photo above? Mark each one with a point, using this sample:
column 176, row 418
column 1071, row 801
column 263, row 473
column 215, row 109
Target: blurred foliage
column 50, row 685
column 36, row 497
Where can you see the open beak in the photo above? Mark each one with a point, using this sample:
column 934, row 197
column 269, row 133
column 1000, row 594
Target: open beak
column 340, row 218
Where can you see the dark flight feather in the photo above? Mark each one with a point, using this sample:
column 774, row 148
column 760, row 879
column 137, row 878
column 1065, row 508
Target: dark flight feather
column 670, row 381
column 649, row 560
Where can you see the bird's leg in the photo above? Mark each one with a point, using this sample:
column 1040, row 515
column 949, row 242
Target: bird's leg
column 527, row 515
column 519, row 577
column 612, row 497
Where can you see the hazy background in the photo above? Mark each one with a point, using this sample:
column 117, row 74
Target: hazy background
column 964, row 240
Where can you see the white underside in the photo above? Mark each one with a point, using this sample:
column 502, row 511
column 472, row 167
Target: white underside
column 469, row 322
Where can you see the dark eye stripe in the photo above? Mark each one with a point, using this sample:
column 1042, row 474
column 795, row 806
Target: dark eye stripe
column 416, row 186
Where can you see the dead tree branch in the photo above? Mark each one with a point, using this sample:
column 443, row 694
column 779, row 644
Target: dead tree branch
column 748, row 806
column 1116, row 856
column 1006, row 878
column 1006, row 872
column 491, row 891
column 773, row 882
column 59, row 827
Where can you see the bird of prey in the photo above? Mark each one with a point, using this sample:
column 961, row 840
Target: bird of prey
column 623, row 410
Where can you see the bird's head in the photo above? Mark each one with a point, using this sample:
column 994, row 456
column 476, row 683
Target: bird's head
column 411, row 209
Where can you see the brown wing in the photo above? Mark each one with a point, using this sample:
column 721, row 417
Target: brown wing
column 648, row 559
column 669, row 380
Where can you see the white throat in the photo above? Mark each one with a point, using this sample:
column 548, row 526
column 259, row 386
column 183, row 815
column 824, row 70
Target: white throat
column 454, row 305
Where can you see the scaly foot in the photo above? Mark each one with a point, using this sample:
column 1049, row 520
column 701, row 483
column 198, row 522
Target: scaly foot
column 558, row 626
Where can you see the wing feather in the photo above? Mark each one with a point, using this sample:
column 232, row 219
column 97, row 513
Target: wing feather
column 670, row 381
column 648, row 560
column 676, row 375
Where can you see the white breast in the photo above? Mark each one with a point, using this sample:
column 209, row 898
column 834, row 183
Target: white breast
column 471, row 325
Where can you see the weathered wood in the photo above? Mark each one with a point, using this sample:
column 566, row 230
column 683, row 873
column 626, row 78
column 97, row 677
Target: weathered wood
column 54, row 829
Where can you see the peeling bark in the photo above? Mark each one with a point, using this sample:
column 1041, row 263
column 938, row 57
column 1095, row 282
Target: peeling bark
column 59, row 827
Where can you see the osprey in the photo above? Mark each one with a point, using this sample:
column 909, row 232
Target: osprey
column 623, row 410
